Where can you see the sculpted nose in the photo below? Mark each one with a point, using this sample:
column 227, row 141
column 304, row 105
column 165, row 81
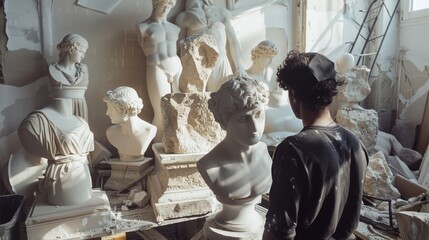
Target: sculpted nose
column 253, row 125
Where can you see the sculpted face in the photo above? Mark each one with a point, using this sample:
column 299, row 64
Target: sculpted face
column 264, row 61
column 247, row 126
column 78, row 55
column 116, row 115
column 163, row 8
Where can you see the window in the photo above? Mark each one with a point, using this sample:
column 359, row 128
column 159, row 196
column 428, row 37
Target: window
column 417, row 5
column 413, row 9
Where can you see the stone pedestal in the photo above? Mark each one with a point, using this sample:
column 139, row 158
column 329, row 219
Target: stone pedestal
column 125, row 174
column 79, row 221
column 176, row 187
column 236, row 222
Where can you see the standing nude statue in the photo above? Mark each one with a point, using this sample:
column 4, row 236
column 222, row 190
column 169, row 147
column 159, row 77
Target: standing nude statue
column 69, row 77
column 157, row 38
column 203, row 17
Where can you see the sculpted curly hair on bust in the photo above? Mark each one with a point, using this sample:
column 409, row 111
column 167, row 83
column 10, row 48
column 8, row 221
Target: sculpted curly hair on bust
column 124, row 99
column 242, row 92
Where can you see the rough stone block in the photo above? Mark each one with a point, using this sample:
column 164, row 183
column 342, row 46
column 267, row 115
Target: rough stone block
column 189, row 126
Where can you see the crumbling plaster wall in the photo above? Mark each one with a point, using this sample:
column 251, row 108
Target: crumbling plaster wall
column 413, row 86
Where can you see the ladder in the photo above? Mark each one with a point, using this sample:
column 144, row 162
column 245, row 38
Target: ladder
column 369, row 22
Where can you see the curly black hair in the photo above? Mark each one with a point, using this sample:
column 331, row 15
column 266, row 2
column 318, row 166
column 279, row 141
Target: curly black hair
column 296, row 74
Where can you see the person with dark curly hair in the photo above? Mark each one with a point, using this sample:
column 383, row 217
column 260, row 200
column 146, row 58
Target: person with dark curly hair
column 318, row 174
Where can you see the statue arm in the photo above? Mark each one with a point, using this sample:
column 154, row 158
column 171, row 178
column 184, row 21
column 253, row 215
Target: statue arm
column 141, row 33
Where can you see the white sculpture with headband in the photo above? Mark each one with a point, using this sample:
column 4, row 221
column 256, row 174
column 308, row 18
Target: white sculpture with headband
column 280, row 121
column 130, row 135
column 69, row 77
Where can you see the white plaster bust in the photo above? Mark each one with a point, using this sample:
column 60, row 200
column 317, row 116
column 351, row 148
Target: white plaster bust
column 203, row 17
column 280, row 120
column 157, row 38
column 65, row 140
column 344, row 63
column 130, row 135
column 69, row 77
column 238, row 169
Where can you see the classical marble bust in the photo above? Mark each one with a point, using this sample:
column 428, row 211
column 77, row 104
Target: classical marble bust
column 130, row 135
column 69, row 77
column 54, row 133
column 237, row 170
column 280, row 120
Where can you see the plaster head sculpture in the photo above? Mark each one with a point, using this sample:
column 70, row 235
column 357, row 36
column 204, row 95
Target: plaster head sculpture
column 130, row 135
column 237, row 170
column 264, row 50
column 279, row 118
column 69, row 77
column 72, row 48
column 161, row 8
column 344, row 63
column 262, row 56
column 163, row 3
column 157, row 38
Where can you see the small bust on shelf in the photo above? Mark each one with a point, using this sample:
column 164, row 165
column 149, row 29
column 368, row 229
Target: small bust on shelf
column 237, row 170
column 68, row 77
column 130, row 135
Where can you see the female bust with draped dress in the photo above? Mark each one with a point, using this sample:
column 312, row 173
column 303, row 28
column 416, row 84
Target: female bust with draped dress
column 54, row 133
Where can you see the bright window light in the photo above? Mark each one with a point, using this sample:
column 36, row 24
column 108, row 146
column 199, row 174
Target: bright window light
column 419, row 5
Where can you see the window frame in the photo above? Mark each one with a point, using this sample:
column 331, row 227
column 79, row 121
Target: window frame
column 408, row 15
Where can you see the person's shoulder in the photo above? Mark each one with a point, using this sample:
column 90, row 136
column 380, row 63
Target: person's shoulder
column 351, row 138
column 288, row 143
column 350, row 135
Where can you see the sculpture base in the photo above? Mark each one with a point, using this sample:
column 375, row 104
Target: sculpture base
column 80, row 221
column 177, row 188
column 214, row 232
column 123, row 174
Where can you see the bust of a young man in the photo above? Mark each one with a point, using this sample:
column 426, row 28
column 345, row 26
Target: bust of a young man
column 130, row 135
column 238, row 169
